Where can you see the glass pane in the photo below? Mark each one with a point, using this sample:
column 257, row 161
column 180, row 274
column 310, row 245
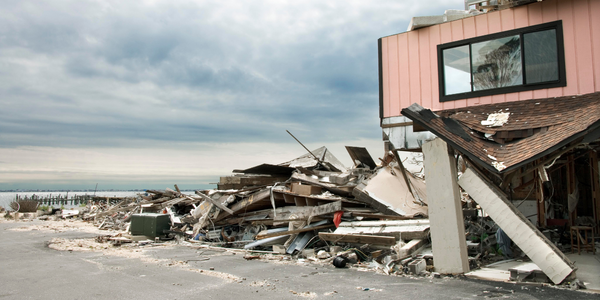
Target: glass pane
column 457, row 78
column 497, row 63
column 541, row 57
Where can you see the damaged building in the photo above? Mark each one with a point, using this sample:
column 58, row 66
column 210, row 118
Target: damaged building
column 506, row 95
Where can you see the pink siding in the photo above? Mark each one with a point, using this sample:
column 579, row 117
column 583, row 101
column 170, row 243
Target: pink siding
column 410, row 70
column 385, row 75
column 404, row 80
column 424, row 65
column 507, row 18
column 392, row 46
column 595, row 7
column 434, row 40
column 413, row 64
column 565, row 12
column 583, row 37
column 494, row 23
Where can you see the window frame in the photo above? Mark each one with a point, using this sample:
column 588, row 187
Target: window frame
column 561, row 82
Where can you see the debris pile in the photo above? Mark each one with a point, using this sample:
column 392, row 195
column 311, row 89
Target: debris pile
column 311, row 207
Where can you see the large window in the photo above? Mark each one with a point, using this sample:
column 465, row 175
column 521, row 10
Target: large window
column 511, row 61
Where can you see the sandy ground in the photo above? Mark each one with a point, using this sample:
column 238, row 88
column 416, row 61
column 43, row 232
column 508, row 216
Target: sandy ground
column 185, row 270
column 126, row 250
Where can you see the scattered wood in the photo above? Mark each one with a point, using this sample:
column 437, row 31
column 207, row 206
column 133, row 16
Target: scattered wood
column 358, row 239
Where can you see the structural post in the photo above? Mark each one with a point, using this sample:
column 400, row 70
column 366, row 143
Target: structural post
column 595, row 178
column 449, row 244
column 539, row 198
column 571, row 187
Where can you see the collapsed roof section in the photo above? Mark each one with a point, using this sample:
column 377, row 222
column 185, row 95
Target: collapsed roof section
column 308, row 160
column 505, row 136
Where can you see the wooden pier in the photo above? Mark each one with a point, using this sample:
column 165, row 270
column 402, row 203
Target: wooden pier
column 74, row 200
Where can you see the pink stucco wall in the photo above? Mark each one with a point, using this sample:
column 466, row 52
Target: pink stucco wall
column 409, row 60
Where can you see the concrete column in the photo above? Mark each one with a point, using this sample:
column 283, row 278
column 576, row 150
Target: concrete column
column 449, row 244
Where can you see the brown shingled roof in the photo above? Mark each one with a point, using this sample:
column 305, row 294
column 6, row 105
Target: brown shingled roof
column 534, row 128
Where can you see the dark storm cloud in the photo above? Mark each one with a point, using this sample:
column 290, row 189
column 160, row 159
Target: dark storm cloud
column 110, row 72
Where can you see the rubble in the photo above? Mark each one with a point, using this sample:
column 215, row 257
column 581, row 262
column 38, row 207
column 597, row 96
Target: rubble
column 305, row 207
column 309, row 209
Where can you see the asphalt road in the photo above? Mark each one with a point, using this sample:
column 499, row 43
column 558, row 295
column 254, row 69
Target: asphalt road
column 31, row 270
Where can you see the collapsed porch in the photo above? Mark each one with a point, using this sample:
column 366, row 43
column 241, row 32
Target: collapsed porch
column 540, row 156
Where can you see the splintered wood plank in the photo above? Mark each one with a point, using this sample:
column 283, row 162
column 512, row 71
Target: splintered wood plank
column 358, row 239
column 215, row 202
column 264, row 236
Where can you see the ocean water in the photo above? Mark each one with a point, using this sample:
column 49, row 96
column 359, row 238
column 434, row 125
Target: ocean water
column 7, row 197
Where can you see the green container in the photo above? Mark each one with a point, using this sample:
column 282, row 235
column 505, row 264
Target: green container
column 151, row 225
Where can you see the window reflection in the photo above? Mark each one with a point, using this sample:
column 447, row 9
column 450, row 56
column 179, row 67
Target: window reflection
column 497, row 63
column 541, row 57
column 457, row 67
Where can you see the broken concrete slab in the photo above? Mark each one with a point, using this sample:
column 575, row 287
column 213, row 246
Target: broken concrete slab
column 533, row 243
column 358, row 239
column 400, row 229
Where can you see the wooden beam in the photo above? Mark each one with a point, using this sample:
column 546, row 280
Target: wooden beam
column 358, row 239
column 595, row 178
column 411, row 247
column 571, row 185
column 541, row 204
column 396, row 125
column 376, row 216
column 215, row 202
column 264, row 236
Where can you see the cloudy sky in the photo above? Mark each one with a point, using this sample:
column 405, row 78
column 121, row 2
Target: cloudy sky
column 147, row 94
